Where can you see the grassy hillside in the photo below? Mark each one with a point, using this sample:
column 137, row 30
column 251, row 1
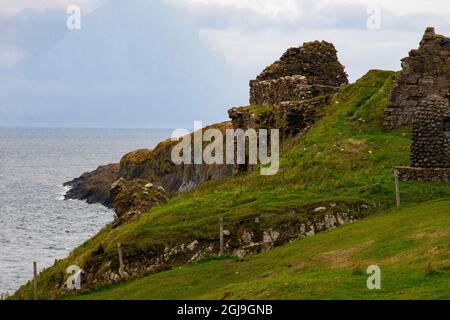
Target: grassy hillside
column 411, row 246
column 346, row 158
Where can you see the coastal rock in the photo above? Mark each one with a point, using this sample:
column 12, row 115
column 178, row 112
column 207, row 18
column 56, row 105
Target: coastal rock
column 94, row 187
column 153, row 166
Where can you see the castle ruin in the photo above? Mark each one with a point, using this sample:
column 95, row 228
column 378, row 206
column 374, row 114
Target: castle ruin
column 430, row 149
column 287, row 93
column 425, row 71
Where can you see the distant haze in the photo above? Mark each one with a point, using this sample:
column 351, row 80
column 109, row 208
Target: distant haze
column 166, row 63
column 133, row 64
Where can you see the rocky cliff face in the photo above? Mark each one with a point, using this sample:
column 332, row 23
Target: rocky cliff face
column 142, row 168
column 156, row 166
column 424, row 72
column 94, row 186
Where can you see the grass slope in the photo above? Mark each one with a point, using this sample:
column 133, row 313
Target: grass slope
column 332, row 265
column 346, row 158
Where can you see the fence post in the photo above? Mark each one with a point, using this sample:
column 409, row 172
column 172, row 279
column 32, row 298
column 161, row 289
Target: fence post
column 121, row 266
column 397, row 188
column 34, row 280
column 221, row 236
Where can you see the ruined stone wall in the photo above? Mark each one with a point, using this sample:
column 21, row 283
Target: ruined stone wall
column 287, row 94
column 430, row 143
column 293, row 117
column 290, row 117
column 293, row 88
column 423, row 174
column 424, row 72
column 300, row 74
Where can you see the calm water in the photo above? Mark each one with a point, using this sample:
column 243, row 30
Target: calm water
column 35, row 224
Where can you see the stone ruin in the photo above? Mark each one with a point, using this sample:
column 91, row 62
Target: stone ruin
column 431, row 132
column 290, row 90
column 430, row 149
column 425, row 71
column 301, row 73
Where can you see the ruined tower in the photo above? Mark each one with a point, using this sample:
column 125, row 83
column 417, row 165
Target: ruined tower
column 424, row 72
column 431, row 134
column 300, row 74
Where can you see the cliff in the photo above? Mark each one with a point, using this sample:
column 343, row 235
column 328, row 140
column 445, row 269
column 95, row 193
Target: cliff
column 139, row 168
column 291, row 92
column 94, row 186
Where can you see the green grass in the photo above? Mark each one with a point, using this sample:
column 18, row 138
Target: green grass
column 331, row 265
column 346, row 158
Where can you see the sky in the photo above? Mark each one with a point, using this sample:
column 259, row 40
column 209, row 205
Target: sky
column 167, row 63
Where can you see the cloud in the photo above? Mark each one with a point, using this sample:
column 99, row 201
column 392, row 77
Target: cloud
column 149, row 55
column 252, row 34
column 10, row 56
column 296, row 8
column 134, row 63
column 9, row 8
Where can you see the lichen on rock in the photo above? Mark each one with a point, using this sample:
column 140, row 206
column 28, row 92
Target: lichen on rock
column 132, row 198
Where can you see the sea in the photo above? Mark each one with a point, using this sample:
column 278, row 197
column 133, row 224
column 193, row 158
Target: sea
column 36, row 223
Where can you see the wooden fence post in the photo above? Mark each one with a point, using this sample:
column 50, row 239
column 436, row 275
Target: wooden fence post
column 221, row 236
column 34, row 280
column 121, row 265
column 397, row 188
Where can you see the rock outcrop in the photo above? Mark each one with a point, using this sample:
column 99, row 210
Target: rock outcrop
column 424, row 72
column 147, row 166
column 94, row 187
column 132, row 198
column 156, row 166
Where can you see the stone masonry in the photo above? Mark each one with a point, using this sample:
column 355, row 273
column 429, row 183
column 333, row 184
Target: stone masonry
column 288, row 93
column 430, row 140
column 424, row 72
column 300, row 74
column 430, row 149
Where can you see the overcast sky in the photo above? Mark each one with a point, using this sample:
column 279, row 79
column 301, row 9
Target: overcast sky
column 166, row 63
